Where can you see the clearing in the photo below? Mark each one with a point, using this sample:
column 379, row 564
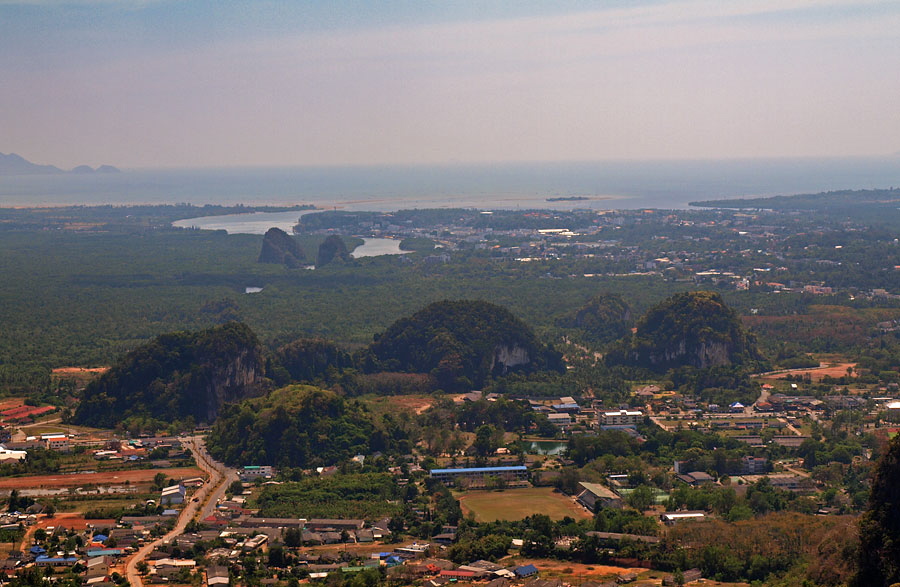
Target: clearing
column 516, row 504
column 816, row 373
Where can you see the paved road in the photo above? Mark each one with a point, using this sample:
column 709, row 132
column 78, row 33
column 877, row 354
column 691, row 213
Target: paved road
column 200, row 502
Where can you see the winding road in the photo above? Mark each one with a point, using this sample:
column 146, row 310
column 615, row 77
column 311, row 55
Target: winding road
column 203, row 502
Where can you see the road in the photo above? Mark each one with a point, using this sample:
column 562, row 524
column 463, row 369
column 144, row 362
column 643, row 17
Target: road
column 203, row 500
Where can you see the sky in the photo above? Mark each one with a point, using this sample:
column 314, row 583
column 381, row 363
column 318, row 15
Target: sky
column 221, row 83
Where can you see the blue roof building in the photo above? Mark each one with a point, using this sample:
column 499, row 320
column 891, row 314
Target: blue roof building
column 46, row 561
column 479, row 474
column 526, row 571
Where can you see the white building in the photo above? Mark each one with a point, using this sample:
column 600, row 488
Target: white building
column 621, row 418
column 172, row 495
column 11, row 455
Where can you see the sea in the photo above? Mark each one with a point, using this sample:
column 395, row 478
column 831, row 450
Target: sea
column 591, row 185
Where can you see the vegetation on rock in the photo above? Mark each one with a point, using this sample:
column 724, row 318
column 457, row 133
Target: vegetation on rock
column 879, row 527
column 332, row 248
column 299, row 426
column 688, row 329
column 603, row 319
column 177, row 376
column 461, row 343
column 281, row 248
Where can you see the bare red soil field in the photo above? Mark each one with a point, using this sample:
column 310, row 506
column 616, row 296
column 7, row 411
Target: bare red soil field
column 136, row 476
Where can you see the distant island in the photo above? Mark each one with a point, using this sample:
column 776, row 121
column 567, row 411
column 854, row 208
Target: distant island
column 13, row 164
column 569, row 199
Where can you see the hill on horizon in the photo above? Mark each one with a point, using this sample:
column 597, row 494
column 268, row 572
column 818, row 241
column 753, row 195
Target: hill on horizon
column 13, row 164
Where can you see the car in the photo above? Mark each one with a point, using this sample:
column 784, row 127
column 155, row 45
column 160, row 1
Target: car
column 196, row 499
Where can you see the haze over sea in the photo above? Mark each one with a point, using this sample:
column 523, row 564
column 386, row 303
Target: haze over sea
column 622, row 184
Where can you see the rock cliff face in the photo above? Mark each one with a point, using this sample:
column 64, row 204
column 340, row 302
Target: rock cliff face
column 182, row 376
column 694, row 328
column 280, row 247
column 239, row 379
column 507, row 357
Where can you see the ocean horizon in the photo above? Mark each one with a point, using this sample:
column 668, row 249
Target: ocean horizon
column 596, row 185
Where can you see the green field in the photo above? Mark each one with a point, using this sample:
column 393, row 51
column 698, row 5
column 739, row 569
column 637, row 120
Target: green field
column 516, row 504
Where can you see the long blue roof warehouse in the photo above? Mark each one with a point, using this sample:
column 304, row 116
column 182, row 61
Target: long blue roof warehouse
column 476, row 474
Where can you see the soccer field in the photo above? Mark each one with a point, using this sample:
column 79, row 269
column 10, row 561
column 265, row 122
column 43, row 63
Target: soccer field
column 515, row 504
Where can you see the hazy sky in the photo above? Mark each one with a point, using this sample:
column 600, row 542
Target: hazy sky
column 222, row 83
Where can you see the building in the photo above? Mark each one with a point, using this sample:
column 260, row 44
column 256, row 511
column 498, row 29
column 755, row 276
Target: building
column 695, row 478
column 172, row 495
column 594, row 496
column 168, row 568
column 670, row 518
column 97, row 566
column 217, row 575
column 319, row 524
column 561, row 420
column 478, row 475
column 59, row 442
column 11, row 455
column 253, row 472
column 751, row 465
column 794, row 483
column 55, row 562
column 621, row 418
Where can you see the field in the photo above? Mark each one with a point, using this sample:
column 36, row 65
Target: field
column 516, row 504
column 137, row 476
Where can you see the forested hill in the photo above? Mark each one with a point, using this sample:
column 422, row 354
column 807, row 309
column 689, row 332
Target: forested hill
column 180, row 376
column 604, row 318
column 298, row 426
column 843, row 200
column 688, row 329
column 461, row 343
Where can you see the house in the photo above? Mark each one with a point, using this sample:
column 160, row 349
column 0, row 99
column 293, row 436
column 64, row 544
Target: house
column 594, row 497
column 173, row 495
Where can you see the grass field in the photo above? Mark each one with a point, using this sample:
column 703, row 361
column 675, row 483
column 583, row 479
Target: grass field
column 515, row 504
